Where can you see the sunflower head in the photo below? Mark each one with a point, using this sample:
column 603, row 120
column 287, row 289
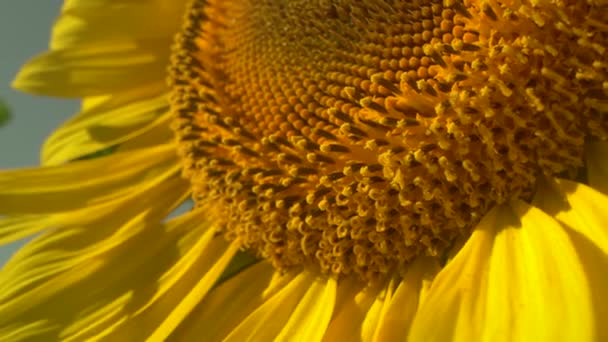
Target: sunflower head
column 357, row 135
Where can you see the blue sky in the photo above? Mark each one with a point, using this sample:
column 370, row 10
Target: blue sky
column 24, row 31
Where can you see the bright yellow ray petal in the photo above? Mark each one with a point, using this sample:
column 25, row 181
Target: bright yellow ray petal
column 102, row 21
column 596, row 157
column 582, row 211
column 174, row 289
column 93, row 105
column 357, row 311
column 578, row 206
column 216, row 265
column 17, row 332
column 518, row 278
column 228, row 304
column 94, row 69
column 67, row 244
column 16, row 228
column 266, row 322
column 311, row 317
column 376, row 311
column 98, row 274
column 101, row 130
column 74, row 185
column 150, row 137
column 400, row 310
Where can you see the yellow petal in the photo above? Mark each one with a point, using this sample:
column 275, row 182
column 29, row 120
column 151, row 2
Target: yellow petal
column 16, row 228
column 17, row 332
column 518, row 278
column 228, row 304
column 100, row 272
column 157, row 132
column 311, row 317
column 582, row 212
column 90, row 132
column 64, row 245
column 578, row 206
column 94, row 69
column 73, row 185
column 377, row 311
column 395, row 321
column 93, row 105
column 85, row 282
column 102, row 21
column 357, row 311
column 597, row 165
column 266, row 322
column 216, row 263
column 179, row 288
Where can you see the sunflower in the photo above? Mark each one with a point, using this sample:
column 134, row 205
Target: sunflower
column 422, row 170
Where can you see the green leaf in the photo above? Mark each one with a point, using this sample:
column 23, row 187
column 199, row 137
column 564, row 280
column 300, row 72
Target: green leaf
column 5, row 113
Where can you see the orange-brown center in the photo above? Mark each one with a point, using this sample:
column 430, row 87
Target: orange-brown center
column 357, row 135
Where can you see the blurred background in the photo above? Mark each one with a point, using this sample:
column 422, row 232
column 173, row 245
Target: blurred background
column 24, row 32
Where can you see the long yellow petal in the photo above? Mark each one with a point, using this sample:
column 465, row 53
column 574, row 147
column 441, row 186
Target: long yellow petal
column 16, row 228
column 266, row 322
column 83, row 281
column 311, row 317
column 94, row 69
column 228, row 304
column 74, row 185
column 357, row 311
column 93, row 105
column 155, row 316
column 91, row 132
column 102, row 21
column 518, row 278
column 150, row 137
column 401, row 308
column 59, row 248
column 17, row 332
column 578, row 206
column 220, row 259
column 582, row 211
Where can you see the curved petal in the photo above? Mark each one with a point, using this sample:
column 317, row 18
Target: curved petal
column 74, row 185
column 103, row 20
column 102, row 130
column 578, row 206
column 376, row 312
column 518, row 278
column 94, row 69
column 228, row 304
column 582, row 212
column 81, row 281
column 311, row 317
column 149, row 137
column 217, row 263
column 358, row 310
column 21, row 226
column 267, row 321
column 395, row 322
column 101, row 47
column 16, row 228
column 64, row 241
